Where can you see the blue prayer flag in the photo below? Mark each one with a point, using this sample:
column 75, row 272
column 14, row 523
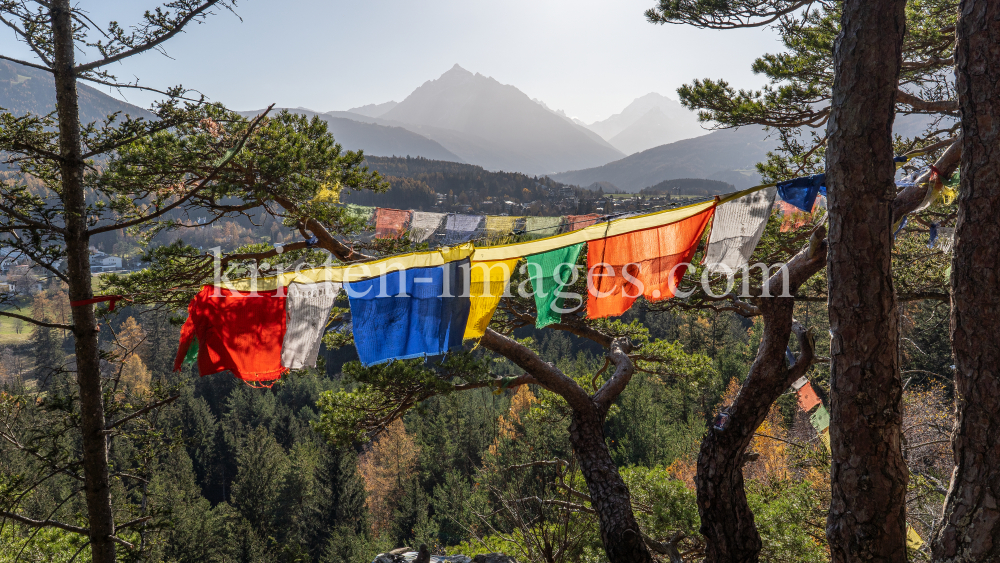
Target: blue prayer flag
column 410, row 313
column 802, row 192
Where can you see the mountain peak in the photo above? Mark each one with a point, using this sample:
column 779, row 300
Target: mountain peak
column 456, row 71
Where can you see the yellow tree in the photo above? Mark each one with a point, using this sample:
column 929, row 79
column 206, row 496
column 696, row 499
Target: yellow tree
column 131, row 339
column 383, row 469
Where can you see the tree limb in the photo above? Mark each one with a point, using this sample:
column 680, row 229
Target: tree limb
column 177, row 28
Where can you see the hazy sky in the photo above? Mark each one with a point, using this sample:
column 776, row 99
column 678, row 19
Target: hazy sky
column 587, row 57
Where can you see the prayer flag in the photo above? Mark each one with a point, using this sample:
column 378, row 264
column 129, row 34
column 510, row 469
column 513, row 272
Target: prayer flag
column 487, row 284
column 820, row 419
column 736, row 229
column 500, row 229
column 361, row 214
column 649, row 263
column 550, row 272
column 798, row 383
column 391, row 223
column 242, row 333
column 307, row 310
column 460, row 228
column 576, row 222
column 808, row 398
column 824, row 437
column 802, row 192
column 541, row 227
column 424, row 224
column 410, row 313
column 913, row 539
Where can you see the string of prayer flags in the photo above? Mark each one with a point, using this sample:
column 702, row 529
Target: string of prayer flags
column 541, row 227
column 307, row 310
column 487, row 284
column 242, row 333
column 820, row 419
column 423, row 225
column 460, row 228
column 808, row 397
column 411, row 313
column 391, row 223
column 649, row 263
column 576, row 222
column 500, row 228
column 550, row 273
column 802, row 192
column 736, row 229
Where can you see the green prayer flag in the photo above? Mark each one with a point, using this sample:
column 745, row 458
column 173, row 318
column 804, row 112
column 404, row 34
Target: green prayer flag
column 820, row 419
column 192, row 353
column 541, row 227
column 549, row 272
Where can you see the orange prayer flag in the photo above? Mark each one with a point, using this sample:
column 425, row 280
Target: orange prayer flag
column 808, row 398
column 648, row 263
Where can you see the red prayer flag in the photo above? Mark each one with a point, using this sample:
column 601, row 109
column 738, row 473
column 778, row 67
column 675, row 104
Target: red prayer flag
column 242, row 333
column 391, row 223
column 575, row 222
column 808, row 398
column 648, row 263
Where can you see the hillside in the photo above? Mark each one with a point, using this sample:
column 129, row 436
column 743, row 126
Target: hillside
column 689, row 186
column 24, row 89
column 713, row 156
column 497, row 126
column 375, row 139
column 468, row 187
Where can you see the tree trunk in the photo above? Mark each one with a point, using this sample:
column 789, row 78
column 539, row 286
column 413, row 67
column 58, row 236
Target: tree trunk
column 970, row 529
column 867, row 519
column 726, row 519
column 608, row 494
column 95, row 452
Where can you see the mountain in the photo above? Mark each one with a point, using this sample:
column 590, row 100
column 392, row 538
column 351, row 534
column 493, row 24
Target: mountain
column 24, row 89
column 375, row 139
column 374, row 110
column 721, row 155
column 647, row 122
column 497, row 126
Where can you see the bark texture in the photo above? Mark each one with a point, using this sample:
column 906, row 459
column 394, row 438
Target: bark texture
column 610, row 498
column 970, row 529
column 95, row 451
column 726, row 519
column 867, row 519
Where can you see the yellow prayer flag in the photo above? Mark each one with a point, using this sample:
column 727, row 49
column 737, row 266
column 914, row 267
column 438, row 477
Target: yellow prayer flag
column 824, row 437
column 499, row 229
column 487, row 284
column 913, row 539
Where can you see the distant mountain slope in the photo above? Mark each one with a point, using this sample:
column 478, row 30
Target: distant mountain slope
column 708, row 156
column 24, row 89
column 374, row 110
column 375, row 139
column 497, row 126
column 649, row 121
